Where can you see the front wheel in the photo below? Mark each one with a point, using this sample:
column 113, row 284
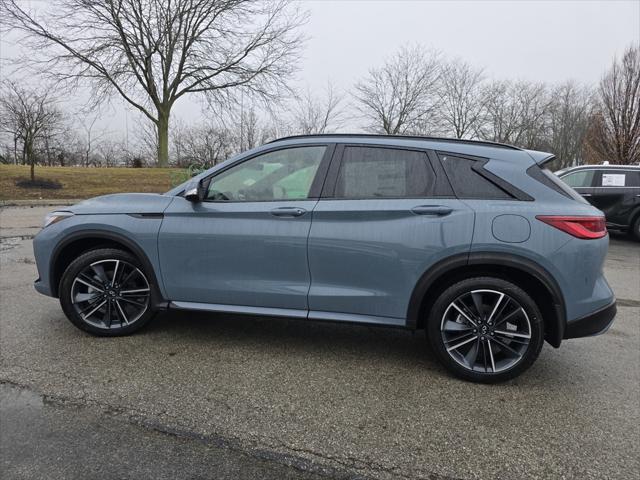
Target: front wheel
column 106, row 292
column 485, row 329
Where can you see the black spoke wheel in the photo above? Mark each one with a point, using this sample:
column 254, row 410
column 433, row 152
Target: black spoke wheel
column 106, row 292
column 485, row 329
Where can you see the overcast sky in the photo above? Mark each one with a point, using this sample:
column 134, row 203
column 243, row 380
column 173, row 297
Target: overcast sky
column 548, row 41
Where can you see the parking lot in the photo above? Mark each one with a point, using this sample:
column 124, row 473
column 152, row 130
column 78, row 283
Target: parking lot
column 197, row 396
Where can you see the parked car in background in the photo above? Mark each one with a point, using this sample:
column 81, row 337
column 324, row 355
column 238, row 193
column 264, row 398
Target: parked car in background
column 475, row 242
column 614, row 189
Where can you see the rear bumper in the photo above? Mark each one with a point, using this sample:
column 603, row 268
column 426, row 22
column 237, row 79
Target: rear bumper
column 594, row 323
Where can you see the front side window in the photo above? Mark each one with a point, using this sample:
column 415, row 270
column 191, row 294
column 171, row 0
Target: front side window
column 280, row 175
column 582, row 178
column 370, row 172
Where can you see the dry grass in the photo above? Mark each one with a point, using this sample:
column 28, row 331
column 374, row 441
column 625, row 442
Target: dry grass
column 78, row 182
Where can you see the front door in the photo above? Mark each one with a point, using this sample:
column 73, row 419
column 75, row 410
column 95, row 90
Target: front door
column 583, row 181
column 246, row 244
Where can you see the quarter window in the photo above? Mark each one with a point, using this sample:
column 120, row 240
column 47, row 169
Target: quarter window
column 582, row 178
column 280, row 175
column 371, row 172
column 466, row 182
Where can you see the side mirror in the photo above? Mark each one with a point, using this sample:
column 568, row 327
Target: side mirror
column 194, row 191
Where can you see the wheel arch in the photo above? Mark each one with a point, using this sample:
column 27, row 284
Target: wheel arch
column 78, row 243
column 525, row 273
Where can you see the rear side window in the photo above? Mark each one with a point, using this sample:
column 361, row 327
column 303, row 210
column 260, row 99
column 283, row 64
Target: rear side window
column 467, row 182
column 371, row 172
column 633, row 179
column 580, row 179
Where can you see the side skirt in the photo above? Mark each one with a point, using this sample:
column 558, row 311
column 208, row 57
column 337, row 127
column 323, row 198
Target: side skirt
column 289, row 313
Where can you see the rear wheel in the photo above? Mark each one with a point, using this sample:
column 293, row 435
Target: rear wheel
column 635, row 228
column 107, row 293
column 485, row 329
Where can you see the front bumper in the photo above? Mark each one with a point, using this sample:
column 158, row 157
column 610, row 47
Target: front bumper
column 594, row 323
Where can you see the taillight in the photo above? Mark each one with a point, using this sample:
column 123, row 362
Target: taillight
column 579, row 227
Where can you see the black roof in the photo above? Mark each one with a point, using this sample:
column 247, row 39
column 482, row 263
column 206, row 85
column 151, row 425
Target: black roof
column 399, row 137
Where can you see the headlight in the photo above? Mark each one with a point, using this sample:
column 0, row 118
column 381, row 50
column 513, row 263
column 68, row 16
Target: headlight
column 55, row 217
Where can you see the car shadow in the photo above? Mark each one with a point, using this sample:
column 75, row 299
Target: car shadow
column 298, row 337
column 623, row 238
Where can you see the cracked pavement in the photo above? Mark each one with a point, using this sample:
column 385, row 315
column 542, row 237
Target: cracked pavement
column 214, row 396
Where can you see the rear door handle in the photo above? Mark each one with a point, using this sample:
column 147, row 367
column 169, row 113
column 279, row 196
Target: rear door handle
column 437, row 210
column 288, row 212
column 586, row 195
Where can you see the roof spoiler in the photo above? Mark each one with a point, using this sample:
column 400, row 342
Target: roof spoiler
column 541, row 158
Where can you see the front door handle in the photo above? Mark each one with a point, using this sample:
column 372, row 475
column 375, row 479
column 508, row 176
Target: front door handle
column 586, row 195
column 288, row 212
column 437, row 210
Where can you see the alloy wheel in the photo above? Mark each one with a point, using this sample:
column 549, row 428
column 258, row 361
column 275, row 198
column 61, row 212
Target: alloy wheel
column 486, row 331
column 110, row 294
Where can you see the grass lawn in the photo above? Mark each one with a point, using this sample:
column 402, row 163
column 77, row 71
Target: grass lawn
column 79, row 182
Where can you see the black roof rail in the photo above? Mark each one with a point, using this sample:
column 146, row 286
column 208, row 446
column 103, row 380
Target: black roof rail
column 407, row 137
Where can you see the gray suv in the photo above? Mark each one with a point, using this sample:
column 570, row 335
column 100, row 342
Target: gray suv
column 474, row 242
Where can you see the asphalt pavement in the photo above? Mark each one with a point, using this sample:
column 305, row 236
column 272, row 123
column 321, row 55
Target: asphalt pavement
column 204, row 396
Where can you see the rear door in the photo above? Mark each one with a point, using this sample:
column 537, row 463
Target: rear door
column 386, row 216
column 616, row 194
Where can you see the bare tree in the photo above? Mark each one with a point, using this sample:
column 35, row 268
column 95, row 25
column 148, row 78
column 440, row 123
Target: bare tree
column 153, row 52
column 461, row 100
column 206, row 145
column 568, row 122
column 313, row 114
column 401, row 96
column 616, row 127
column 109, row 152
column 514, row 113
column 28, row 115
column 91, row 137
column 250, row 129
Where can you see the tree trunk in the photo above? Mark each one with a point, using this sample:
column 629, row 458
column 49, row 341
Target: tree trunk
column 163, row 139
column 31, row 159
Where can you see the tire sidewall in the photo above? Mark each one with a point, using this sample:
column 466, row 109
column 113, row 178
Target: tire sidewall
column 635, row 229
column 454, row 291
column 79, row 264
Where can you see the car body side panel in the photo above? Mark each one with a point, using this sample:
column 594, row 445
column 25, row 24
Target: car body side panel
column 141, row 232
column 366, row 256
column 575, row 264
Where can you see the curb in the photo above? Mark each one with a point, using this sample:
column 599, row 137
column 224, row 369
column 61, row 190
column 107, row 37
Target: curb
column 39, row 203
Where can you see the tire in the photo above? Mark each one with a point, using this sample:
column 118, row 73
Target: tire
column 507, row 336
column 635, row 229
column 95, row 303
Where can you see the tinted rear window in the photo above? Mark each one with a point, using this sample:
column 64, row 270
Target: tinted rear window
column 467, row 182
column 370, row 172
